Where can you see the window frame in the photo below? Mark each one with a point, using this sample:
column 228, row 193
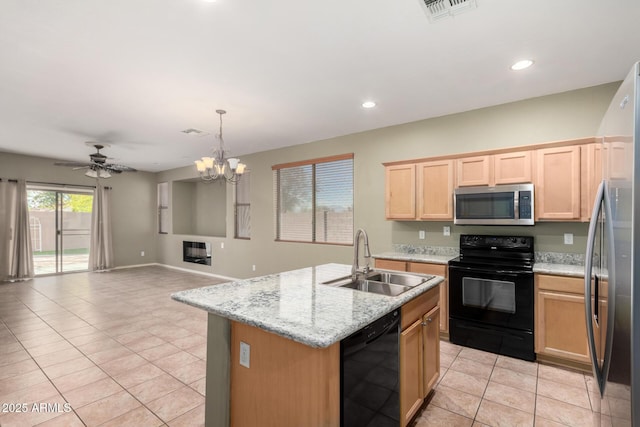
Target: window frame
column 310, row 162
column 246, row 178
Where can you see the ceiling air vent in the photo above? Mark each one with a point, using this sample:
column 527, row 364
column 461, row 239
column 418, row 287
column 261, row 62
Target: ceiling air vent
column 438, row 9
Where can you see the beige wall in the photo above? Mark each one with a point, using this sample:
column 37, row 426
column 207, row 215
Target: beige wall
column 133, row 198
column 556, row 117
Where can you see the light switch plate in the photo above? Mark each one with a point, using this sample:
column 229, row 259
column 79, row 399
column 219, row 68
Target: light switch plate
column 245, row 354
column 446, row 230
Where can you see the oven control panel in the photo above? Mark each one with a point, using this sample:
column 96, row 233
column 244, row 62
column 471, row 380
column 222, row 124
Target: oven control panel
column 500, row 243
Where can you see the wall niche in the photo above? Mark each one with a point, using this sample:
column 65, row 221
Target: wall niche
column 199, row 208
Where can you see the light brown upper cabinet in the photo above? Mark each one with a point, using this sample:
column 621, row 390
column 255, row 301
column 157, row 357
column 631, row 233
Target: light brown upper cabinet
column 591, row 176
column 400, row 191
column 512, row 168
column 422, row 191
column 503, row 168
column 557, row 183
column 435, row 190
column 474, row 171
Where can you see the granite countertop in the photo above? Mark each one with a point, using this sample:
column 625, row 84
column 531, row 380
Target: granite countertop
column 296, row 305
column 559, row 269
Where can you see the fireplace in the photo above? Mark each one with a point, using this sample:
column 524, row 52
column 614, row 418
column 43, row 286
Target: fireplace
column 196, row 252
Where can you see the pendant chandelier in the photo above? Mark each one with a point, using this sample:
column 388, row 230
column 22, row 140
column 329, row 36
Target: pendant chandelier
column 220, row 166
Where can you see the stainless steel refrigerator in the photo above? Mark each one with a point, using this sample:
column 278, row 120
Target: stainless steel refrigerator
column 612, row 264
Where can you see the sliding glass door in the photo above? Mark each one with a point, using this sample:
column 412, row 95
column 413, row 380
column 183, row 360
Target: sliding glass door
column 60, row 222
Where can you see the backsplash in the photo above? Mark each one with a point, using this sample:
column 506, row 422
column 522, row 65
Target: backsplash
column 559, row 258
column 540, row 257
column 426, row 250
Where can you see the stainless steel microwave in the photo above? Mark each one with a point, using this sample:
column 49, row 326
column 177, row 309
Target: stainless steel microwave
column 499, row 205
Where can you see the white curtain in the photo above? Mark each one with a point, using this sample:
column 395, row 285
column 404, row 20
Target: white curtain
column 101, row 251
column 16, row 258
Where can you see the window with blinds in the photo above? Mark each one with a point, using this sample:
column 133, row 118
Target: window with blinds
column 314, row 200
column 242, row 208
column 163, row 208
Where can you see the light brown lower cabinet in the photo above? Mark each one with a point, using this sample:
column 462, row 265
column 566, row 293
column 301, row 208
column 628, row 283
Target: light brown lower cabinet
column 419, row 352
column 290, row 384
column 425, row 268
column 560, row 329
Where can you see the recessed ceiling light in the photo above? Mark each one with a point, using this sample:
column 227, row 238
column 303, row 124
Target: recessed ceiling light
column 521, row 65
column 368, row 104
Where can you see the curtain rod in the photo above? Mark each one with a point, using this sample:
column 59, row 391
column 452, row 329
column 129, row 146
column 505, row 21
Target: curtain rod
column 55, row 184
column 65, row 185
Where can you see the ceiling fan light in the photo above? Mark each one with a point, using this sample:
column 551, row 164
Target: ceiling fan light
column 91, row 173
column 104, row 173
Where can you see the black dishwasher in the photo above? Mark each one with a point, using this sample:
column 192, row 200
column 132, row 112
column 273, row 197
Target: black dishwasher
column 369, row 375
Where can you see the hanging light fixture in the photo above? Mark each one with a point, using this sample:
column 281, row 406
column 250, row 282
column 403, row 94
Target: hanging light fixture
column 220, row 166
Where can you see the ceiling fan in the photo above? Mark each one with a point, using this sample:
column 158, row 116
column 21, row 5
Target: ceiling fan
column 97, row 167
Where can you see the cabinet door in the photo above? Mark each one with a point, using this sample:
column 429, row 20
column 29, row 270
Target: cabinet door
column 512, row 168
column 560, row 326
column 435, row 190
column 400, row 192
column 473, row 171
column 557, row 191
column 431, row 349
column 590, row 177
column 438, row 270
column 411, row 375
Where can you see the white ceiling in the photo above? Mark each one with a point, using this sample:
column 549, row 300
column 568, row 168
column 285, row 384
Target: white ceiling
column 134, row 73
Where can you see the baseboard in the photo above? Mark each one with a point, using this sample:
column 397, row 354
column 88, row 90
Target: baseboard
column 133, row 266
column 203, row 273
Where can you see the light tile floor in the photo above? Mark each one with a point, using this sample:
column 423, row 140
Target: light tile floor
column 477, row 388
column 119, row 352
column 114, row 346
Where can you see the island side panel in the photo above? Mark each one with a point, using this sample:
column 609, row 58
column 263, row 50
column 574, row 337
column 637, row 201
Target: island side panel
column 287, row 383
column 217, row 385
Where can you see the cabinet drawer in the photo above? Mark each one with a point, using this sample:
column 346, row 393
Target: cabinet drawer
column 434, row 269
column 574, row 285
column 391, row 264
column 417, row 307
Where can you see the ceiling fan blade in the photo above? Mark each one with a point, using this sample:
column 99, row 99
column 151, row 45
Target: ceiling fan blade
column 74, row 164
column 80, row 167
column 119, row 168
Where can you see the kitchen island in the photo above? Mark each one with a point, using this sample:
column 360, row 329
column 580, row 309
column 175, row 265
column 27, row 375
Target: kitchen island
column 293, row 324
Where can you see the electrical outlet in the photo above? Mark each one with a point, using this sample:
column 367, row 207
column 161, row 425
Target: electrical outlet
column 421, row 234
column 568, row 238
column 141, row 253
column 245, row 354
column 253, row 267
column 221, row 245
column 446, row 230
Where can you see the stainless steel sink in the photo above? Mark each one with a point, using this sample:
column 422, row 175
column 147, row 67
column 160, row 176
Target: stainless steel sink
column 380, row 282
column 398, row 278
column 376, row 287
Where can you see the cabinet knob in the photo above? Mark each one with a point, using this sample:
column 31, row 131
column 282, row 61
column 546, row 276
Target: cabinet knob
column 429, row 320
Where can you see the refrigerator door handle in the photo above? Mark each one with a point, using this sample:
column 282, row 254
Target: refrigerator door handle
column 588, row 270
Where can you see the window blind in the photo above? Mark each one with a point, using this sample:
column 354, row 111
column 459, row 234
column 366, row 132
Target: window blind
column 314, row 201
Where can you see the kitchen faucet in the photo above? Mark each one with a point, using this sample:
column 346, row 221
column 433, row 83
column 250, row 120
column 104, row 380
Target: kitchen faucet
column 356, row 253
